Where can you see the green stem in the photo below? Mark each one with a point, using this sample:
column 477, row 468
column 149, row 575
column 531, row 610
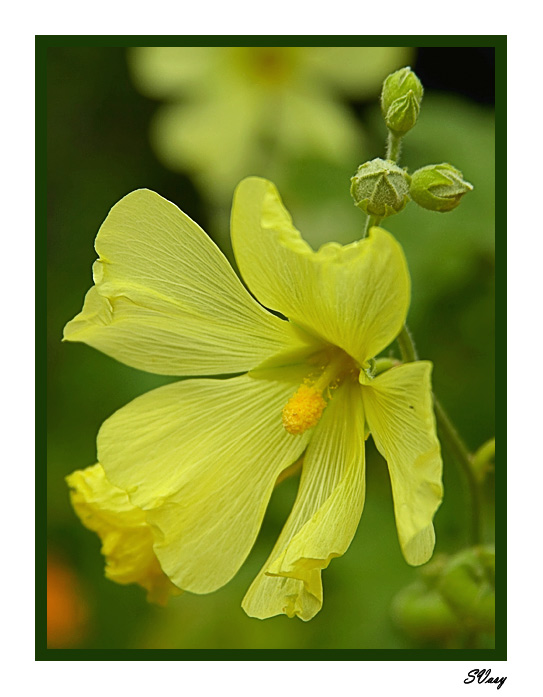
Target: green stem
column 371, row 220
column 407, row 346
column 452, row 439
column 394, row 146
column 461, row 454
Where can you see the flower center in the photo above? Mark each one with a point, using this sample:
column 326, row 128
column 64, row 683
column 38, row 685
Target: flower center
column 267, row 65
column 304, row 409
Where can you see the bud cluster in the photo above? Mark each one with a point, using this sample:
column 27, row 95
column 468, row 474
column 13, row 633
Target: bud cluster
column 381, row 188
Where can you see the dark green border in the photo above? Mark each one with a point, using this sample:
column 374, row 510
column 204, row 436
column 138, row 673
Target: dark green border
column 498, row 42
column 501, row 344
column 44, row 654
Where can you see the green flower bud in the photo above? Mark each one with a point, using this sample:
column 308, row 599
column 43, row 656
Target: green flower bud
column 482, row 458
column 467, row 584
column 438, row 187
column 400, row 100
column 423, row 614
column 451, row 595
column 380, row 188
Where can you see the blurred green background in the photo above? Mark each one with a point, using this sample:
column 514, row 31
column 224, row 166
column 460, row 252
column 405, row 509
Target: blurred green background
column 104, row 129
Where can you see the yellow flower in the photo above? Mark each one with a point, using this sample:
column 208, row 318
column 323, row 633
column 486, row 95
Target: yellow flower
column 229, row 110
column 201, row 456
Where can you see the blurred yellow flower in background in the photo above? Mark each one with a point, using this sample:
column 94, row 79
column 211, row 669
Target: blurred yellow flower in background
column 239, row 110
column 196, row 461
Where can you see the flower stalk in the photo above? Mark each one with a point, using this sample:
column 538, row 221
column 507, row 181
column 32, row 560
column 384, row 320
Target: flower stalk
column 371, row 220
column 463, row 457
column 452, row 440
column 394, row 146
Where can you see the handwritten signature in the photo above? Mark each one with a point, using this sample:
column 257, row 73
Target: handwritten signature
column 483, row 675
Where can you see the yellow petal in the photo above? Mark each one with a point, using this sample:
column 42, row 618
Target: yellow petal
column 324, row 517
column 202, row 457
column 167, row 301
column 127, row 539
column 357, row 70
column 216, row 139
column 355, row 297
column 399, row 411
column 313, row 122
column 171, row 71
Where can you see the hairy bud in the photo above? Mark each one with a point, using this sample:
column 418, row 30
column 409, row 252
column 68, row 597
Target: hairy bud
column 438, row 187
column 400, row 100
column 380, row 188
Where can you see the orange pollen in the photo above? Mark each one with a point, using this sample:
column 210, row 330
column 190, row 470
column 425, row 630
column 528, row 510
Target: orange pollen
column 303, row 410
